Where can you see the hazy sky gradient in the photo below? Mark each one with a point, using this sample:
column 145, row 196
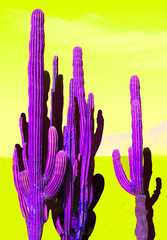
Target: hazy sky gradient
column 119, row 39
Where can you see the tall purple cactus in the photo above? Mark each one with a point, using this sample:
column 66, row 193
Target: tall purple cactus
column 78, row 135
column 135, row 186
column 34, row 187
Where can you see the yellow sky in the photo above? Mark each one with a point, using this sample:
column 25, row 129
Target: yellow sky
column 119, row 39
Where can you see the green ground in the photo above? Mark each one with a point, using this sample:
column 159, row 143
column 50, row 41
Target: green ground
column 115, row 211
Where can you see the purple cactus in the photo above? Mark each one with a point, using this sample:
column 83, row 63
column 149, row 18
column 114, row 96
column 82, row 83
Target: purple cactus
column 135, row 186
column 84, row 145
column 78, row 190
column 34, row 187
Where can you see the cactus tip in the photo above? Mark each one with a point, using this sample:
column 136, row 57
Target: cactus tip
column 77, row 52
column 37, row 11
column 116, row 154
column 55, row 59
column 91, row 100
column 37, row 18
column 130, row 150
column 134, row 80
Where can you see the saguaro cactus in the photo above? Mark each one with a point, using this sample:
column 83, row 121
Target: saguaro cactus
column 34, row 187
column 135, row 186
column 78, row 137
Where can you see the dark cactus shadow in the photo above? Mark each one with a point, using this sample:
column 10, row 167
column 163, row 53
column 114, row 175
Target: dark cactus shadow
column 98, row 187
column 57, row 109
column 97, row 180
column 19, row 148
column 150, row 200
column 97, row 137
column 77, row 122
column 57, row 102
column 25, row 132
column 25, row 128
column 46, row 121
column 19, row 153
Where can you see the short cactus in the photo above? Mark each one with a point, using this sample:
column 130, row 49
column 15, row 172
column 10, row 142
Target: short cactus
column 136, row 185
column 34, row 187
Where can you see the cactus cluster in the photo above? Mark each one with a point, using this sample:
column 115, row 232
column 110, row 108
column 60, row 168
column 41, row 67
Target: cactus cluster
column 79, row 140
column 58, row 170
column 78, row 145
column 53, row 170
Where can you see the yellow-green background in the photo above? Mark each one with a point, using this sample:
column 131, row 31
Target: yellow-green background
column 119, row 39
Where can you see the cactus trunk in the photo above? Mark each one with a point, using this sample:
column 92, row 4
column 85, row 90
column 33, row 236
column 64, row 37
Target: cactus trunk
column 141, row 230
column 34, row 187
column 36, row 95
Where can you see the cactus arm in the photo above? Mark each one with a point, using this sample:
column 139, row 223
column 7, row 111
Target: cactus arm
column 52, row 151
column 95, row 144
column 137, row 145
column 55, row 182
column 57, row 223
column 69, row 130
column 79, row 91
column 24, row 183
column 71, row 149
column 120, row 174
column 22, row 202
column 65, row 137
column 24, row 156
column 46, row 213
column 55, row 71
column 76, row 167
column 55, row 76
column 86, row 155
column 67, row 202
column 57, row 102
column 88, row 138
column 67, row 185
column 130, row 152
column 90, row 160
column 90, row 183
column 22, row 122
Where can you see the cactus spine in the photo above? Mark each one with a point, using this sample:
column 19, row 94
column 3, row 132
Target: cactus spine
column 34, row 188
column 135, row 186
